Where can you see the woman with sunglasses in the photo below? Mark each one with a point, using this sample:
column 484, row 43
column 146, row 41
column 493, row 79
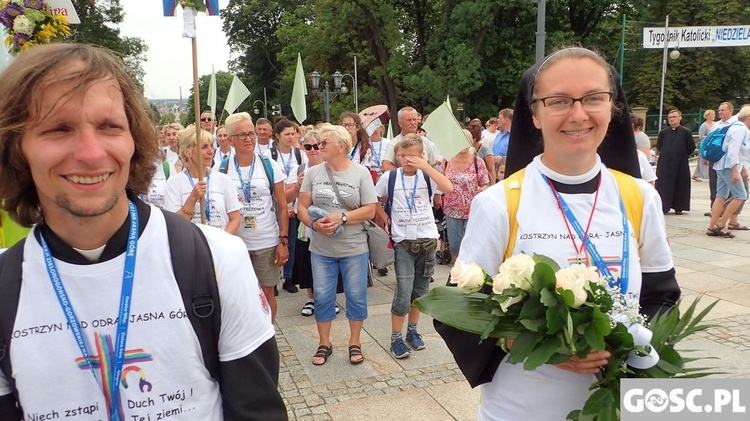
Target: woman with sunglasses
column 570, row 130
column 302, row 273
column 338, row 243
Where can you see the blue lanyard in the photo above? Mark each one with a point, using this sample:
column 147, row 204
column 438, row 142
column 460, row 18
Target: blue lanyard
column 411, row 204
column 354, row 150
column 287, row 165
column 595, row 256
column 123, row 315
column 246, row 188
column 207, row 209
column 378, row 155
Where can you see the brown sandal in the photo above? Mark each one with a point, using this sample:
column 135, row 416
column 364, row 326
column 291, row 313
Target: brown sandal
column 355, row 351
column 323, row 352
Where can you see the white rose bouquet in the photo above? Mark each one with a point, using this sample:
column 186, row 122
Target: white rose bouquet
column 553, row 314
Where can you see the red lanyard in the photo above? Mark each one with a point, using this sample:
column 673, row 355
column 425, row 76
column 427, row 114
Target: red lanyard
column 580, row 253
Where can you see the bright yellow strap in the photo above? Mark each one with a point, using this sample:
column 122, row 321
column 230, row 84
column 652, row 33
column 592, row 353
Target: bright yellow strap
column 513, row 198
column 631, row 195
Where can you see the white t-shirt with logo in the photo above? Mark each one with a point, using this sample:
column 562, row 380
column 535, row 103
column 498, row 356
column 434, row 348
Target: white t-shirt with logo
column 221, row 197
column 163, row 372
column 171, row 157
column 259, row 228
column 158, row 184
column 417, row 222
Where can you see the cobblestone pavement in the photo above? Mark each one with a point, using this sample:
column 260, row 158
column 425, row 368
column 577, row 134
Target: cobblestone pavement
column 432, row 388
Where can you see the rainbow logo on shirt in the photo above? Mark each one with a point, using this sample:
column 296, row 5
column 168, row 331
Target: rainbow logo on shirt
column 614, row 263
column 103, row 361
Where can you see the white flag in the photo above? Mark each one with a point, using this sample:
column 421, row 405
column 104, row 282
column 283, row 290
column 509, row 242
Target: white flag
column 237, row 93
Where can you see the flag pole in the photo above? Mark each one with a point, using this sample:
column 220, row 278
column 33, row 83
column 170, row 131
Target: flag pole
column 197, row 110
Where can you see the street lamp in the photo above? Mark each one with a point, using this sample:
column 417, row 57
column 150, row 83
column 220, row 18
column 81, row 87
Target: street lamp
column 344, row 90
column 257, row 111
column 326, row 94
column 674, row 54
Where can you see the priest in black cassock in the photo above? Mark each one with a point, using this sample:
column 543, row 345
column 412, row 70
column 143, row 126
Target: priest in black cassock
column 675, row 145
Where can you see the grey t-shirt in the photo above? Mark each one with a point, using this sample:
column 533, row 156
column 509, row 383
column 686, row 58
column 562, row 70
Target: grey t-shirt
column 356, row 189
column 642, row 140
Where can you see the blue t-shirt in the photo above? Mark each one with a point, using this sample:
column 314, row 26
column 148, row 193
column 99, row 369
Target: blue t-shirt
column 500, row 146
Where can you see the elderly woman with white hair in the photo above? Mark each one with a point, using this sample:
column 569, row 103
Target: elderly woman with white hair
column 184, row 190
column 334, row 200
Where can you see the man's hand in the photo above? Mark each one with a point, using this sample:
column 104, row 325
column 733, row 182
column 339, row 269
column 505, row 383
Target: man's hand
column 282, row 255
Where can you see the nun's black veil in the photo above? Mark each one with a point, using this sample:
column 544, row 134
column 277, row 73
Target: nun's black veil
column 617, row 151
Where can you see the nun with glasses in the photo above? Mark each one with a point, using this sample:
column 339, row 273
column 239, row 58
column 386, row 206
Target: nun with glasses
column 570, row 129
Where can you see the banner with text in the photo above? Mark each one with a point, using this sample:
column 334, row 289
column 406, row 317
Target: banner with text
column 698, row 36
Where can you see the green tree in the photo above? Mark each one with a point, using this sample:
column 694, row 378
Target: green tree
column 98, row 18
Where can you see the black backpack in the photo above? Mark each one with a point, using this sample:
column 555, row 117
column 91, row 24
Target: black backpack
column 193, row 269
column 297, row 154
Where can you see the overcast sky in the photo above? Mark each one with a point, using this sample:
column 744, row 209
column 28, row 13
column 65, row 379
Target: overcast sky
column 169, row 64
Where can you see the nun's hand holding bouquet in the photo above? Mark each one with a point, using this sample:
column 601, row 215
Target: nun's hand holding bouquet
column 553, row 314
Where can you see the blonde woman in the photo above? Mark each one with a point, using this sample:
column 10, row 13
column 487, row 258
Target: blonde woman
column 184, row 191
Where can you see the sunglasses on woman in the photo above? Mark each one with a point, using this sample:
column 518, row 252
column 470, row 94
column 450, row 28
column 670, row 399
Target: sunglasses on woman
column 309, row 147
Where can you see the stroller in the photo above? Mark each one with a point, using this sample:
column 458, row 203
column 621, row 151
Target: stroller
column 443, row 254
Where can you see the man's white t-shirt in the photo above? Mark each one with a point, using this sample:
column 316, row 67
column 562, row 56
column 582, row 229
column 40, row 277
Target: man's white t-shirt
column 259, row 228
column 163, row 372
column 221, row 197
column 417, row 222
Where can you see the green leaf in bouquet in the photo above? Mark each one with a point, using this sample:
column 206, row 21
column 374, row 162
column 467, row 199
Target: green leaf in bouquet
column 540, row 258
column 535, row 325
column 543, row 277
column 693, row 323
column 489, row 327
column 670, row 360
column 555, row 319
column 451, row 306
column 522, row 347
column 600, row 321
column 532, row 309
column 567, row 297
column 601, row 404
column 548, row 298
column 594, row 338
column 542, row 353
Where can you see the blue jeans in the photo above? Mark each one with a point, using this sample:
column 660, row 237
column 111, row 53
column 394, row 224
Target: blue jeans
column 413, row 273
column 456, row 231
column 289, row 265
column 325, row 272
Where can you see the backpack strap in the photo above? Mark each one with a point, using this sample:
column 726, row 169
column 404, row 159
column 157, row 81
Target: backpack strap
column 632, row 199
column 512, row 186
column 476, row 170
column 429, row 185
column 10, row 285
column 193, row 267
column 391, row 188
column 269, row 171
column 165, row 165
column 274, row 153
column 297, row 155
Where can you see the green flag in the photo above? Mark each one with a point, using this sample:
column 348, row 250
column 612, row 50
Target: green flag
column 299, row 107
column 446, row 132
column 237, row 93
column 389, row 135
column 212, row 93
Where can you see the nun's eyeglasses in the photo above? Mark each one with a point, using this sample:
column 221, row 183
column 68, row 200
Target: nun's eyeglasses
column 593, row 103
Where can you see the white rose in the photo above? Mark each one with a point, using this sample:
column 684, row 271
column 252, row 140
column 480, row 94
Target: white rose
column 500, row 282
column 518, row 269
column 23, row 25
column 575, row 279
column 468, row 276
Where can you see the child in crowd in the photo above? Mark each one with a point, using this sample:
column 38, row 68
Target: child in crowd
column 414, row 233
